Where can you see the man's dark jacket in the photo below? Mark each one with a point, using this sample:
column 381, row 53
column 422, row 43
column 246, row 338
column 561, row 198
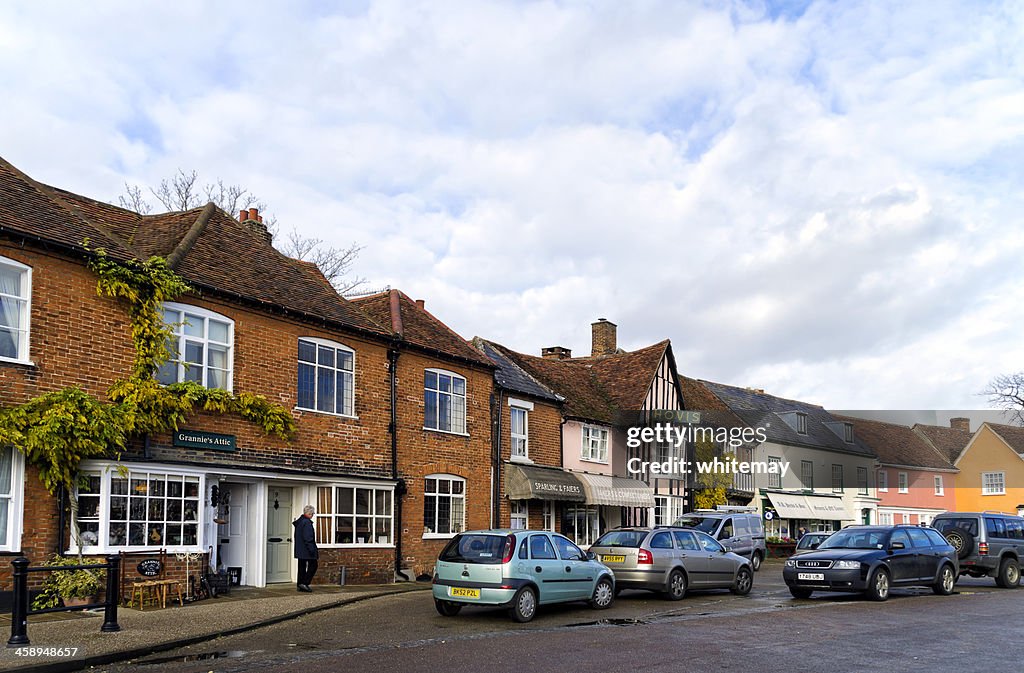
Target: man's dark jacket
column 305, row 539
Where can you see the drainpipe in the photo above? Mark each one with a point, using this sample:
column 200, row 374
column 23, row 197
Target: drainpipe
column 496, row 459
column 62, row 520
column 400, row 485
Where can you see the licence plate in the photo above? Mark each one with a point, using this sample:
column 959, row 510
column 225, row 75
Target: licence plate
column 613, row 559
column 462, row 592
column 810, row 576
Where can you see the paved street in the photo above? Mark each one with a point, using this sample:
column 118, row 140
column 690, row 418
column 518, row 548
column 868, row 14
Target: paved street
column 766, row 631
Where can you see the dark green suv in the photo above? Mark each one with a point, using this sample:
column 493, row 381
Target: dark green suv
column 988, row 544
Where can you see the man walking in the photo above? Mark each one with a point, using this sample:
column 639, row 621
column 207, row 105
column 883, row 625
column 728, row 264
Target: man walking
column 305, row 547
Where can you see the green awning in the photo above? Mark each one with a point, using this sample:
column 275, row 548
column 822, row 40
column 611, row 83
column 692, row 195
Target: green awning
column 531, row 482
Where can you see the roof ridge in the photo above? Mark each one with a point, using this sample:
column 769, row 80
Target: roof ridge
column 190, row 238
column 395, row 303
column 60, row 191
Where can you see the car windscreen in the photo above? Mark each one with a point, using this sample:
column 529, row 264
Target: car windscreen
column 856, row 539
column 474, row 548
column 703, row 524
column 621, row 538
column 809, row 540
column 965, row 524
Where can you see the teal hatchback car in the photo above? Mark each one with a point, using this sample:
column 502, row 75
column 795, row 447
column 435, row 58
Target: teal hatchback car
column 517, row 570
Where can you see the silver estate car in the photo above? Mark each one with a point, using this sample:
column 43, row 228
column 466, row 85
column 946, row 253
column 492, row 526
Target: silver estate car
column 671, row 560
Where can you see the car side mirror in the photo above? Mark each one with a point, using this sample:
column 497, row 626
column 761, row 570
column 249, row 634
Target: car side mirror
column 897, row 545
column 591, row 556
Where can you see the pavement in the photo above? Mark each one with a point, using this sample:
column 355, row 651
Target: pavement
column 157, row 630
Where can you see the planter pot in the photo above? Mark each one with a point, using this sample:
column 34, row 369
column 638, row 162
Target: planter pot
column 76, row 602
column 780, row 550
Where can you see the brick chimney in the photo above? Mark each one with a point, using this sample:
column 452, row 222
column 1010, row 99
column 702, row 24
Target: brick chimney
column 603, row 341
column 253, row 221
column 960, row 424
column 555, row 353
column 421, row 304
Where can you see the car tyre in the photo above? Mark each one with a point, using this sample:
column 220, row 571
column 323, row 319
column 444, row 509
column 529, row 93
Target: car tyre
column 799, row 592
column 878, row 585
column 947, row 581
column 744, row 582
column 676, row 589
column 604, row 594
column 962, row 541
column 446, row 608
column 1009, row 574
column 755, row 561
column 524, row 605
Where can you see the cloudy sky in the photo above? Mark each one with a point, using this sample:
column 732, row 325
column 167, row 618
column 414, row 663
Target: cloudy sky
column 820, row 199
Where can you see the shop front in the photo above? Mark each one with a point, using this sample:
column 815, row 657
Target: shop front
column 797, row 512
column 609, row 502
column 535, row 491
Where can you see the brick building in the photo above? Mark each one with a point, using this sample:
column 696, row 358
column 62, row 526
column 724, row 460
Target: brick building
column 392, row 407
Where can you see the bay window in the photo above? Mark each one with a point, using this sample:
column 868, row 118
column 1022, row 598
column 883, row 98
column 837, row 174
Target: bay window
column 354, row 515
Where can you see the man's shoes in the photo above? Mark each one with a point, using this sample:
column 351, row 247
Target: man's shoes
column 304, row 587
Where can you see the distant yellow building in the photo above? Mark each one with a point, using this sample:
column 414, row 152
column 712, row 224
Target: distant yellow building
column 991, row 470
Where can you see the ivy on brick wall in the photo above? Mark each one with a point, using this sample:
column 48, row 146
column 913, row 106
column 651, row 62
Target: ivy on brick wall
column 58, row 430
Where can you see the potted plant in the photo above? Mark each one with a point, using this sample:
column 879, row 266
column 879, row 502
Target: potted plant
column 73, row 587
column 780, row 547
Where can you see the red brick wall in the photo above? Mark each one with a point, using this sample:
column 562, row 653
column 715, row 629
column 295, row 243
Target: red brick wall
column 544, row 430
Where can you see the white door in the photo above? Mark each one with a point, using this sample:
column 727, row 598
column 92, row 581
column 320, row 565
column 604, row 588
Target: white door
column 231, row 537
column 279, row 534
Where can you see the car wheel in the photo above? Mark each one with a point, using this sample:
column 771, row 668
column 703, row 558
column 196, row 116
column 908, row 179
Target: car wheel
column 755, row 561
column 676, row 585
column 878, row 585
column 800, row 593
column 1009, row 574
column 947, row 581
column 744, row 582
column 604, row 595
column 962, row 541
column 524, row 605
column 447, row 608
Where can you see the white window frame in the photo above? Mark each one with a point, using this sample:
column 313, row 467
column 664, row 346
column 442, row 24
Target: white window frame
column 548, row 514
column 774, row 476
column 24, row 328
column 106, row 474
column 591, row 518
column 455, row 429
column 807, row 481
column 837, row 484
column 801, row 423
column 885, row 518
column 848, row 433
column 328, row 511
column 940, row 488
column 519, row 514
column 902, row 482
column 15, row 503
column 179, row 336
column 519, row 443
column 863, row 488
column 667, row 509
column 456, row 526
column 883, row 481
column 993, row 484
column 594, row 449
column 349, row 376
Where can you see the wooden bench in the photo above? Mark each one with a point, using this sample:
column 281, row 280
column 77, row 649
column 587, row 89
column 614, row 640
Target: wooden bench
column 155, row 589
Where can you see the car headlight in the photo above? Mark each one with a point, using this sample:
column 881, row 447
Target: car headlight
column 790, row 563
column 847, row 565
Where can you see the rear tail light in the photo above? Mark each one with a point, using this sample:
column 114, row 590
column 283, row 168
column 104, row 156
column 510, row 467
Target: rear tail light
column 644, row 557
column 510, row 547
column 983, row 548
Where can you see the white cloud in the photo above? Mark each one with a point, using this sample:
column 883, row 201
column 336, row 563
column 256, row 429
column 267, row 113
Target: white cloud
column 825, row 205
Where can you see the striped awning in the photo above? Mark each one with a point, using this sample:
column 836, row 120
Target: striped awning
column 807, row 506
column 604, row 489
column 530, row 482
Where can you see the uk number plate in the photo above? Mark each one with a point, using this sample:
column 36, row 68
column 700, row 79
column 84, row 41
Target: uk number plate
column 462, row 592
column 811, row 576
column 613, row 559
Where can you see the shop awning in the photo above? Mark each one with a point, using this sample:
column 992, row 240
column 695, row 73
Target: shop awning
column 529, row 482
column 603, row 489
column 804, row 506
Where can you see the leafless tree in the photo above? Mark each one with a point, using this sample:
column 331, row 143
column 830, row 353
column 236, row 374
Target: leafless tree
column 185, row 191
column 1006, row 392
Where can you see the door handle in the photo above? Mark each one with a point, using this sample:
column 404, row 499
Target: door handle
column 225, row 541
column 538, row 569
column 275, row 539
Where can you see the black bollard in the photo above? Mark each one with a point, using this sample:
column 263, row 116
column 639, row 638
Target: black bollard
column 19, row 612
column 113, row 585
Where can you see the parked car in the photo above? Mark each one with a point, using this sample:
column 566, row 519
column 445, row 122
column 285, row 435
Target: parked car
column 988, row 544
column 741, row 532
column 518, row 570
column 671, row 560
column 871, row 559
column 810, row 541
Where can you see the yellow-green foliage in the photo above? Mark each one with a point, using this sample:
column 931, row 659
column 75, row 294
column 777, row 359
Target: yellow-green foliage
column 711, row 486
column 60, row 429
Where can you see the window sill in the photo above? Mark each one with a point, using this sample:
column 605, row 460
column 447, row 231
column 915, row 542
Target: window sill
column 523, row 460
column 150, row 548
column 356, row 545
column 12, row 361
column 902, row 492
column 325, row 413
column 591, row 460
column 1003, row 493
column 446, row 432
column 439, row 536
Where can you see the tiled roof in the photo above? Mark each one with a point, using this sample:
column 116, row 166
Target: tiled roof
column 896, row 444
column 949, row 441
column 511, row 376
column 1011, row 434
column 747, row 402
column 402, row 316
column 627, row 376
column 697, row 397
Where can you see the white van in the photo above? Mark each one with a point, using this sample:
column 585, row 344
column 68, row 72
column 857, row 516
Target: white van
column 739, row 529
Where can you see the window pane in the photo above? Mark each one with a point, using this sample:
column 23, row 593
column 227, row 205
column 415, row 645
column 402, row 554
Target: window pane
column 430, row 413
column 340, row 404
column 174, row 510
column 458, row 414
column 444, row 383
column 344, row 533
column 174, row 487
column 168, row 373
column 189, row 534
column 217, row 378
column 325, row 356
column 444, row 412
column 458, row 486
column 430, row 380
column 307, row 383
column 6, row 469
column 171, row 318
column 363, row 530
column 174, row 534
column 383, row 504
column 193, row 325
column 345, row 500
column 362, row 501
column 458, row 386
column 218, row 356
column 218, row 331
column 307, row 351
column 8, row 343
column 10, row 312
column 444, row 512
column 430, row 514
column 194, row 352
column 137, row 534
column 325, row 389
column 10, row 280
column 345, row 360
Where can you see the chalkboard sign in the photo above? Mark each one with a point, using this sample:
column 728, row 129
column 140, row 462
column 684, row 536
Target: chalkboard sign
column 151, row 567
